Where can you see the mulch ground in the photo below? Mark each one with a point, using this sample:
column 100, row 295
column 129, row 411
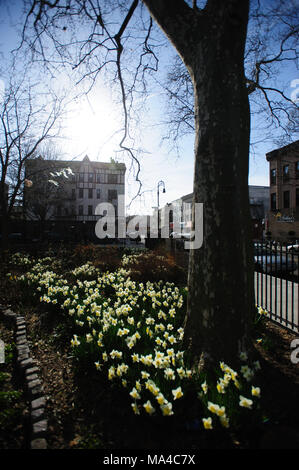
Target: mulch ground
column 89, row 414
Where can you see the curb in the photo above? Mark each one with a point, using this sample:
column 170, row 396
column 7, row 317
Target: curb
column 29, row 373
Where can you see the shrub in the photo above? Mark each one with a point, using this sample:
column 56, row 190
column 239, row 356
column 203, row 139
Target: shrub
column 153, row 266
column 103, row 258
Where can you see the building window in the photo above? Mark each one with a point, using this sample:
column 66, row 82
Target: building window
column 89, row 210
column 66, row 211
column 112, row 194
column 297, row 169
column 81, row 177
column 59, row 210
column 273, row 176
column 98, row 194
column 80, row 193
column 286, row 199
column 286, row 174
column 297, row 198
column 80, row 210
column 90, row 177
column 90, row 193
column 98, row 177
column 273, row 201
column 112, row 179
column 73, row 193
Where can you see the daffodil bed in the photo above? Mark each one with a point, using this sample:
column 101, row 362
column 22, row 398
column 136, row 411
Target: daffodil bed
column 131, row 332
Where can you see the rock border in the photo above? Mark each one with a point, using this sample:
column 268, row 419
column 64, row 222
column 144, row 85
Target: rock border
column 29, row 373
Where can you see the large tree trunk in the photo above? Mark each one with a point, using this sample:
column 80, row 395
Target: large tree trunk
column 211, row 42
column 221, row 289
column 4, row 223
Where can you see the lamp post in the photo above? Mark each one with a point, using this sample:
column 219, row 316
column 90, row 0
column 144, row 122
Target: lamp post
column 161, row 183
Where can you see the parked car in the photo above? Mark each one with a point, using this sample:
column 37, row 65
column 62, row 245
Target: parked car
column 293, row 248
column 15, row 237
column 134, row 235
column 275, row 263
column 181, row 235
column 261, row 249
column 55, row 237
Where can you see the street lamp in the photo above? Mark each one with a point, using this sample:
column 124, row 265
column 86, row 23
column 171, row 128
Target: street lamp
column 161, row 183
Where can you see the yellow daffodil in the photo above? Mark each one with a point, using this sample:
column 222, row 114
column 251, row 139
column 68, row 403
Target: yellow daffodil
column 135, row 409
column 243, row 356
column 75, row 341
column 135, row 357
column 144, row 375
column 207, row 422
column 245, row 402
column 221, row 411
column 135, row 394
column 111, row 373
column 204, row 387
column 213, row 407
column 167, row 409
column 169, row 374
column 177, row 393
column 149, row 408
column 138, row 385
column 160, row 399
column 224, row 421
column 255, row 391
column 220, row 388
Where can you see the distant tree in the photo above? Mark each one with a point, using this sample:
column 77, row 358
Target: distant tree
column 28, row 117
column 46, row 190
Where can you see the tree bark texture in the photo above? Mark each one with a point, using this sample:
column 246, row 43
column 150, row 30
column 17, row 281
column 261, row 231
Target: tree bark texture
column 221, row 303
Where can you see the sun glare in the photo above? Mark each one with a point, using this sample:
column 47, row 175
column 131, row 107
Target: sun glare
column 93, row 127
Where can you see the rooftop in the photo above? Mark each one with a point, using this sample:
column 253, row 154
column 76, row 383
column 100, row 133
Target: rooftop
column 292, row 147
column 75, row 163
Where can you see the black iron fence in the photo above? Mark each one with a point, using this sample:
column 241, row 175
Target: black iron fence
column 276, row 281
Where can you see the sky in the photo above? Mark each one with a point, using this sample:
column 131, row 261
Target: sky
column 93, row 128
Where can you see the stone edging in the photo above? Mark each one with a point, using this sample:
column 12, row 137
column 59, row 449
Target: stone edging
column 28, row 370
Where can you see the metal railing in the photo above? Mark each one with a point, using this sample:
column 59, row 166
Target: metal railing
column 276, row 281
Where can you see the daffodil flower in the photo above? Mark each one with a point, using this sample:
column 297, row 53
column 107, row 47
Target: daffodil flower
column 245, row 402
column 75, row 341
column 204, row 387
column 149, row 408
column 144, row 375
column 135, row 394
column 255, row 391
column 213, row 407
column 177, row 393
column 207, row 422
column 135, row 409
column 243, row 356
column 167, row 409
column 224, row 421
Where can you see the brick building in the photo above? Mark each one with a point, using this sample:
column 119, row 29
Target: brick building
column 283, row 221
